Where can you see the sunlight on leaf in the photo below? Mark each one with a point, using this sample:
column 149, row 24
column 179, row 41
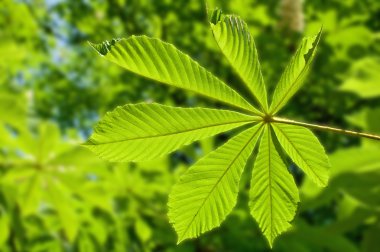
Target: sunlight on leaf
column 147, row 131
column 273, row 194
column 305, row 150
column 163, row 62
column 295, row 73
column 207, row 192
column 232, row 35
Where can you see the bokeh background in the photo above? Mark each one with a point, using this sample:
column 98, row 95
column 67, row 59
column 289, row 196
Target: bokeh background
column 56, row 196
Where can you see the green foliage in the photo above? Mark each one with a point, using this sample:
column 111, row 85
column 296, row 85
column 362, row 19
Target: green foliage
column 353, row 189
column 12, row 109
column 163, row 62
column 273, row 194
column 305, row 150
column 50, row 82
column 203, row 198
column 147, row 131
column 363, row 78
column 295, row 73
column 207, row 192
column 234, row 40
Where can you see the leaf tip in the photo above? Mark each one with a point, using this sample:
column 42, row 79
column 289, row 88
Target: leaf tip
column 324, row 183
column 270, row 242
column 182, row 237
column 216, row 16
column 104, row 47
column 271, row 239
column 179, row 240
column 88, row 144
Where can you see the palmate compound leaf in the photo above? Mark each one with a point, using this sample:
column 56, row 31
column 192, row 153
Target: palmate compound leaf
column 304, row 148
column 273, row 194
column 162, row 62
column 208, row 191
column 234, row 40
column 137, row 132
column 295, row 73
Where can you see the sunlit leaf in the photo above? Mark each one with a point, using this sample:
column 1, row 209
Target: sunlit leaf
column 207, row 192
column 305, row 150
column 162, row 62
column 232, row 35
column 273, row 194
column 147, row 131
column 295, row 73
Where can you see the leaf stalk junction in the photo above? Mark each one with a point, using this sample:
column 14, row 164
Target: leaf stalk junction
column 269, row 118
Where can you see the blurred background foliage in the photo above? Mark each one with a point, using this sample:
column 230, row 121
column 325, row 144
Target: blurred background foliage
column 56, row 196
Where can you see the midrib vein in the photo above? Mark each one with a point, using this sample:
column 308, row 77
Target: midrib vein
column 221, row 177
column 270, row 184
column 299, row 154
column 169, row 134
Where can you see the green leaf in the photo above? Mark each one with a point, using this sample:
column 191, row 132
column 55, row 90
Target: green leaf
column 363, row 78
column 143, row 230
column 4, row 227
column 295, row 73
column 305, row 237
column 273, row 194
column 232, row 35
column 64, row 204
column 355, row 160
column 207, row 192
column 304, row 148
column 162, row 62
column 136, row 132
column 13, row 110
column 370, row 239
column 363, row 187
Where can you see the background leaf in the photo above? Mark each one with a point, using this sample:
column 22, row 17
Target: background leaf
column 363, row 78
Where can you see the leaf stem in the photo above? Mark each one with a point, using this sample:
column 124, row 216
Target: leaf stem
column 325, row 128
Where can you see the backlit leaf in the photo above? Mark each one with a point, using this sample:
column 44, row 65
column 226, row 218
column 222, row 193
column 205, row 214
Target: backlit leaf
column 162, row 62
column 305, row 150
column 295, row 73
column 147, row 131
column 232, row 35
column 207, row 192
column 273, row 194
